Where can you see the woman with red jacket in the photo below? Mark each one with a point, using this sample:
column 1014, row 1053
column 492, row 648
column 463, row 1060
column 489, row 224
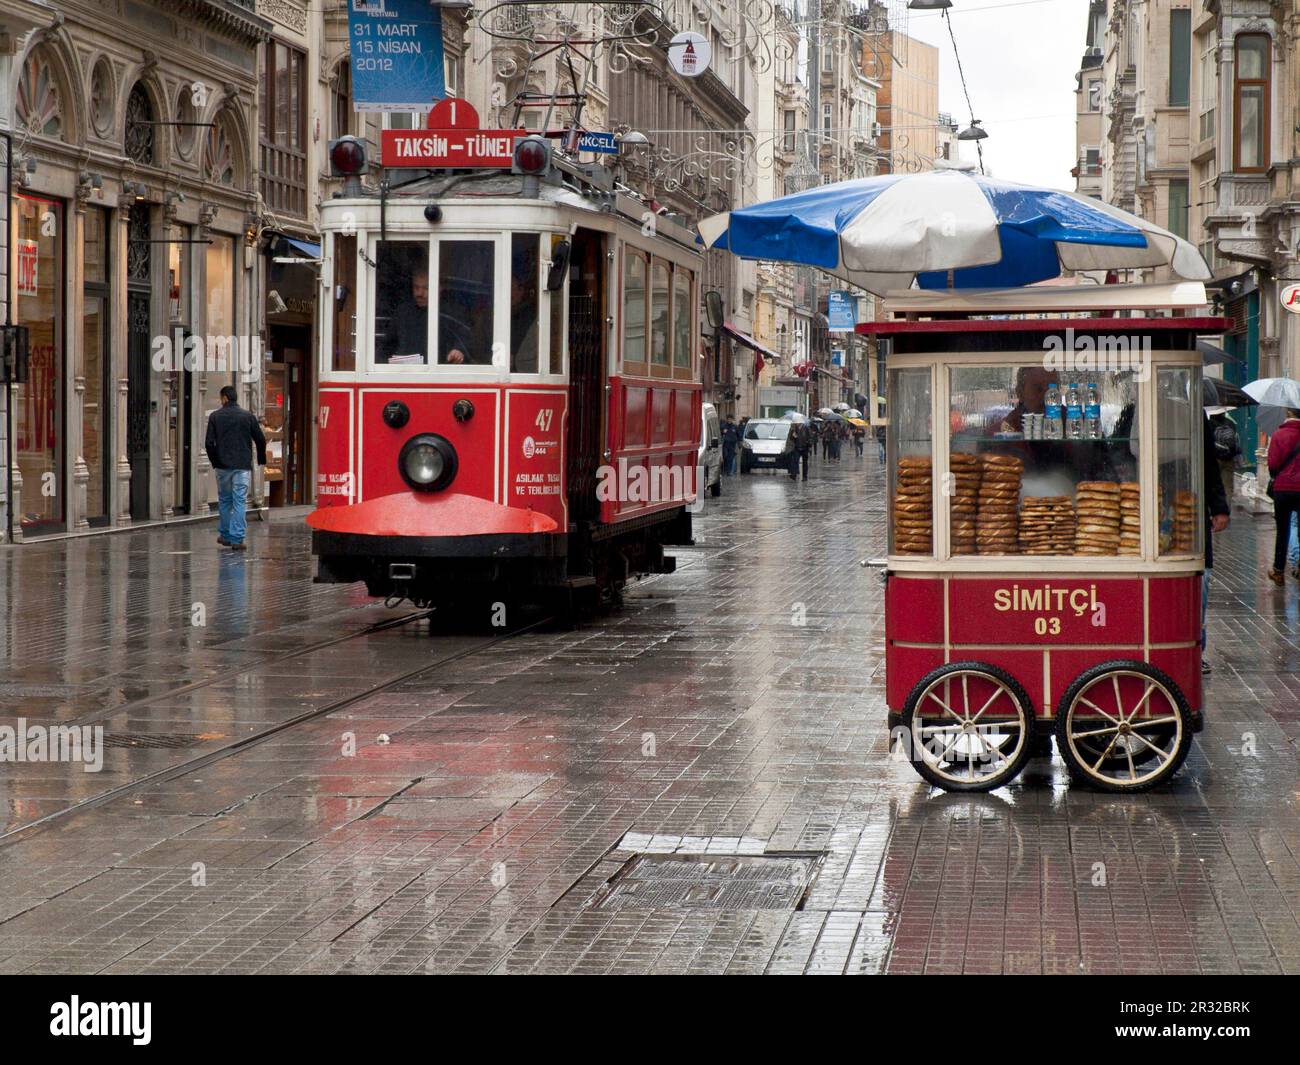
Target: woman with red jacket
column 1284, row 466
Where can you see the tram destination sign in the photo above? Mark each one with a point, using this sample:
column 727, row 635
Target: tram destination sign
column 451, row 138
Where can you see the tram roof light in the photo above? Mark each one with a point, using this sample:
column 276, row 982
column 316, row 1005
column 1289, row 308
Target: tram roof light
column 348, row 157
column 532, row 156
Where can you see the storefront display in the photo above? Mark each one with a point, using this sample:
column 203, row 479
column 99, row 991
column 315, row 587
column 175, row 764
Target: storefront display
column 38, row 291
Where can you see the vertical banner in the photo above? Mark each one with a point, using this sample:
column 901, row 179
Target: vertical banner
column 397, row 62
column 842, row 311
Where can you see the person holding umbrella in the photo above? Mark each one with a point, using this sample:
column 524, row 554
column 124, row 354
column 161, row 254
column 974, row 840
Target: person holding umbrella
column 1279, row 416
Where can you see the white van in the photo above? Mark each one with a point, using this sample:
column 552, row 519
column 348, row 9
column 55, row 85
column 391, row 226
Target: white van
column 710, row 458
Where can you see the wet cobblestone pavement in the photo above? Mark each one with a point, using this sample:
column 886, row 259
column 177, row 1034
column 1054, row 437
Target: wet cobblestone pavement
column 697, row 783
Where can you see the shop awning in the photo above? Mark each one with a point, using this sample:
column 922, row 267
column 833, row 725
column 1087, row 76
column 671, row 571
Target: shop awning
column 305, row 247
column 741, row 337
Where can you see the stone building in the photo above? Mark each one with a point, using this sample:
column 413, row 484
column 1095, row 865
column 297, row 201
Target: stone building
column 132, row 126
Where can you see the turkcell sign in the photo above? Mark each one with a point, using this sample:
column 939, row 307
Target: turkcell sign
column 841, row 311
column 604, row 143
column 397, row 61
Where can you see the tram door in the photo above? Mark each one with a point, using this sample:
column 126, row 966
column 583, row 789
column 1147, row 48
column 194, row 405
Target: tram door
column 586, row 373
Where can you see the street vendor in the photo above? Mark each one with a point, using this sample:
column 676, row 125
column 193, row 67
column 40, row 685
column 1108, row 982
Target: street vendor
column 1032, row 383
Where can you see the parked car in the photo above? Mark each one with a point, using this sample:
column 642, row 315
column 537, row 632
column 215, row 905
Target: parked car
column 767, row 442
column 710, row 459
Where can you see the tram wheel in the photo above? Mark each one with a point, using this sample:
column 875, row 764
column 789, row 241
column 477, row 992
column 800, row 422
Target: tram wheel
column 969, row 727
column 1123, row 726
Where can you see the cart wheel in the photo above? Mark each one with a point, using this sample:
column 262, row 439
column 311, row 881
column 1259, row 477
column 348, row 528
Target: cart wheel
column 1123, row 726
column 970, row 725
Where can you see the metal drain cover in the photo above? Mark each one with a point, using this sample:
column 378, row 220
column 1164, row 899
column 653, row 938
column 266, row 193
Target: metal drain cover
column 154, row 740
column 708, row 882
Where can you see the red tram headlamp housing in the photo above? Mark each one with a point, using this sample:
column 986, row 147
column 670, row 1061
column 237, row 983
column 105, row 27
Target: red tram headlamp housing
column 347, row 157
column 427, row 462
column 532, row 156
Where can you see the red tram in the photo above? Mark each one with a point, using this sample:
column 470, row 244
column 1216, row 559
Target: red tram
column 510, row 386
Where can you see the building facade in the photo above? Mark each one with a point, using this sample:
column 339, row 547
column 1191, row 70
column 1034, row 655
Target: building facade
column 134, row 203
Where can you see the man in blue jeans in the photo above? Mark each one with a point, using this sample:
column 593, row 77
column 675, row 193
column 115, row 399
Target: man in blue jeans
column 232, row 434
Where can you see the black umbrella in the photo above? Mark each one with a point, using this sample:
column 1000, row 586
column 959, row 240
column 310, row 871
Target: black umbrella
column 1213, row 355
column 1218, row 393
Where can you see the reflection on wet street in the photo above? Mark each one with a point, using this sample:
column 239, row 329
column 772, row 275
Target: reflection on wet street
column 699, row 782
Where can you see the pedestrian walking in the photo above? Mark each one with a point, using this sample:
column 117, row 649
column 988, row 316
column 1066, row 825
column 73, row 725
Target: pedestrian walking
column 859, row 439
column 826, row 432
column 730, row 443
column 1218, row 510
column 880, row 441
column 1227, row 446
column 803, row 444
column 1284, row 488
column 232, row 434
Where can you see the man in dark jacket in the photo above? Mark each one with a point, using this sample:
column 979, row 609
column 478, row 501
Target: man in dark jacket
column 232, row 434
column 803, row 443
column 1218, row 509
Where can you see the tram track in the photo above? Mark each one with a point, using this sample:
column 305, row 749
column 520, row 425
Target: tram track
column 244, row 743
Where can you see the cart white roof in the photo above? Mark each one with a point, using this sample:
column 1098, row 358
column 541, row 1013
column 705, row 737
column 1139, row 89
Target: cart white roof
column 1179, row 295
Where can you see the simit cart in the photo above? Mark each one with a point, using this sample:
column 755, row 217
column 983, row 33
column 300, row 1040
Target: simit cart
column 1038, row 584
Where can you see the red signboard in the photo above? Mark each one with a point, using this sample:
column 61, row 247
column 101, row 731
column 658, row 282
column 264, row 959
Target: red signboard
column 452, row 138
column 1025, row 610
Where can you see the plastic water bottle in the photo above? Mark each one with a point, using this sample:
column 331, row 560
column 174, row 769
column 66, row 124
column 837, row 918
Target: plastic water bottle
column 1092, row 414
column 1052, row 428
column 1073, row 414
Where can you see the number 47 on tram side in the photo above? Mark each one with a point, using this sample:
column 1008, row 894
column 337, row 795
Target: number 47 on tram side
column 510, row 385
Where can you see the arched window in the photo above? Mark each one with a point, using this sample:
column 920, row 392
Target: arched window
column 39, row 105
column 138, row 142
column 218, row 155
column 1251, row 88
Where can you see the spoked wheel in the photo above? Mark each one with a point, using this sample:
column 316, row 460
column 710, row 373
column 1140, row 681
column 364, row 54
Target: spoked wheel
column 969, row 727
column 1123, row 726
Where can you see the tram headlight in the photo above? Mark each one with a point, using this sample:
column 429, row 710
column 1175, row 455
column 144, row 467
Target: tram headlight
column 427, row 462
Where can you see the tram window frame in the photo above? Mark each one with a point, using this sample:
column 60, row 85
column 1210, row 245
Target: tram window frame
column 637, row 367
column 519, row 296
column 496, row 323
column 555, row 309
column 377, row 253
column 682, row 363
column 661, row 367
column 343, row 260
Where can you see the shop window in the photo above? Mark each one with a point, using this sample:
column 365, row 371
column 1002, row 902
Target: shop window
column 682, row 346
column 219, row 305
column 38, row 289
column 634, row 311
column 1250, row 90
column 401, row 316
column 1180, row 452
column 524, row 300
column 344, row 332
column 908, row 441
column 659, row 334
column 283, row 119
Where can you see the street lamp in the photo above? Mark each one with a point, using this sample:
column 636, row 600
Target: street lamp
column 973, row 132
column 928, row 5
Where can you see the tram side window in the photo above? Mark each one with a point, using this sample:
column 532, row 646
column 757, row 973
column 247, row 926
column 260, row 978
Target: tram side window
column 557, row 324
column 682, row 319
column 345, row 304
column 524, row 265
column 659, row 335
column 465, row 302
column 634, row 309
column 402, row 303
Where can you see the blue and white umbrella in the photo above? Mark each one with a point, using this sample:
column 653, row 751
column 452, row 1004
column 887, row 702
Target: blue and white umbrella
column 886, row 233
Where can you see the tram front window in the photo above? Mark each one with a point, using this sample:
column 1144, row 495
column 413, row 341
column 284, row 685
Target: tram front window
column 524, row 266
column 465, row 302
column 402, row 303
